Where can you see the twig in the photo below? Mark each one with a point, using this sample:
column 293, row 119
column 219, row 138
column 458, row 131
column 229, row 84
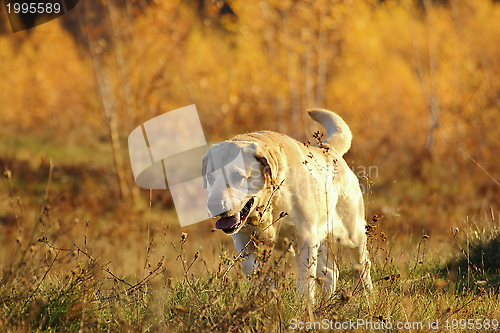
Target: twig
column 131, row 287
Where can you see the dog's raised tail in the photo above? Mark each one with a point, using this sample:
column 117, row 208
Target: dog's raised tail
column 338, row 134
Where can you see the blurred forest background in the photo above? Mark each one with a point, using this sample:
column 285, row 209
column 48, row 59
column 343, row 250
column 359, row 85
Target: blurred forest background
column 418, row 82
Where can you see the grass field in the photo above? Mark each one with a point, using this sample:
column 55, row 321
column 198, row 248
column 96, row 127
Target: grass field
column 72, row 260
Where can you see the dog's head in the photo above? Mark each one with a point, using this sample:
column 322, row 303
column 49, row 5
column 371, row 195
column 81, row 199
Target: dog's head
column 236, row 173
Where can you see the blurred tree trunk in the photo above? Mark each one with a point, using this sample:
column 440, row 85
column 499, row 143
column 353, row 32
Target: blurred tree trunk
column 106, row 96
column 295, row 95
column 121, row 37
column 322, row 63
column 308, row 47
column 270, row 40
column 428, row 86
column 433, row 99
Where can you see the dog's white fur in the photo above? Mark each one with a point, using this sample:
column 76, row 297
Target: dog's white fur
column 313, row 185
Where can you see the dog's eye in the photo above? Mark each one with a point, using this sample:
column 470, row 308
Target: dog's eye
column 238, row 178
column 210, row 179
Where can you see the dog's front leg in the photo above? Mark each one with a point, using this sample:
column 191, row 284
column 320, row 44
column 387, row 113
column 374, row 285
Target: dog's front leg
column 246, row 251
column 307, row 263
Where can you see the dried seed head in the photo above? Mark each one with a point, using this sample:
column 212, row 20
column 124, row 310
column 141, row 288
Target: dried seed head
column 184, row 237
column 283, row 214
column 381, row 318
column 345, row 297
column 7, row 173
column 394, row 277
column 318, row 136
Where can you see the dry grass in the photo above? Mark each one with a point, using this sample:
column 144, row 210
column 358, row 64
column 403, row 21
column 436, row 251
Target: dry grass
column 134, row 270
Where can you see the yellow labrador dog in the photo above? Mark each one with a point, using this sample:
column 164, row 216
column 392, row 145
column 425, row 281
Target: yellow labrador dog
column 266, row 185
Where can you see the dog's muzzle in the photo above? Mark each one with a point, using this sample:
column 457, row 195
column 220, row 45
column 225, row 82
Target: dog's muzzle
column 230, row 224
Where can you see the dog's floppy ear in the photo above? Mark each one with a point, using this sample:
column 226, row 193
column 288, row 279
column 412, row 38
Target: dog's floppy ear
column 204, row 164
column 270, row 161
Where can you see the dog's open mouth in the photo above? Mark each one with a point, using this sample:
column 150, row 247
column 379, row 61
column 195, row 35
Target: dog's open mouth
column 229, row 224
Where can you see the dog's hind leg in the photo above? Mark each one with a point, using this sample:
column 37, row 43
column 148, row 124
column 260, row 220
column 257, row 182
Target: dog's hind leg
column 362, row 268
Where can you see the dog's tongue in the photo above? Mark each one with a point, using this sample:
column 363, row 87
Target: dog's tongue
column 227, row 222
